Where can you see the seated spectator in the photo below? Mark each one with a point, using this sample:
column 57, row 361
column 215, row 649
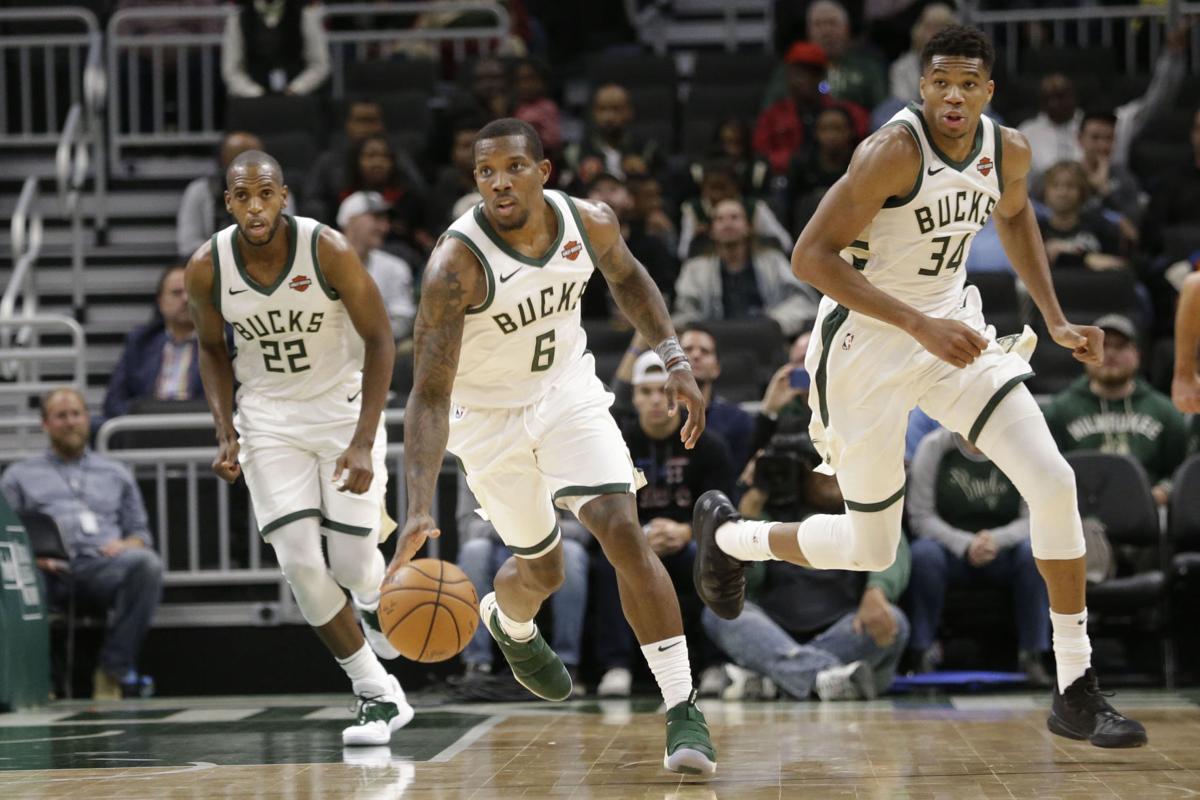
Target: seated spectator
column 971, row 527
column 813, row 172
column 457, row 178
column 741, row 280
column 726, row 419
column 675, row 478
column 202, row 207
column 531, row 104
column 1113, row 187
column 649, row 215
column 609, row 146
column 1177, row 201
column 161, row 360
column 363, row 219
column 719, row 182
column 836, row 634
column 328, row 176
column 785, row 127
column 274, row 48
column 904, row 76
column 1075, row 236
column 784, row 407
column 481, row 554
column 732, row 145
column 855, row 73
column 373, row 167
column 1054, row 133
column 96, row 503
column 1112, row 410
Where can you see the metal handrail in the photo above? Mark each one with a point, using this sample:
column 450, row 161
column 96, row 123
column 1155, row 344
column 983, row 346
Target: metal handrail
column 26, row 236
column 37, row 355
column 72, row 161
column 192, row 420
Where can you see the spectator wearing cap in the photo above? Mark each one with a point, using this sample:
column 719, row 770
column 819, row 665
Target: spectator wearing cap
column 674, row 478
column 1112, row 410
column 363, row 219
column 785, row 127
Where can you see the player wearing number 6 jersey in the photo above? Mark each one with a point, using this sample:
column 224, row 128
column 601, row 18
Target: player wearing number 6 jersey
column 505, row 382
column 308, row 433
column 898, row 327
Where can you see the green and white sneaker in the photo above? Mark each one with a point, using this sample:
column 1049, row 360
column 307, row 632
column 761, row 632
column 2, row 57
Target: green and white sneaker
column 689, row 747
column 534, row 664
column 378, row 716
column 369, row 620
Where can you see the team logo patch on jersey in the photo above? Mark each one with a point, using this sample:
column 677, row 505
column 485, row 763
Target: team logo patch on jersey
column 300, row 283
column 985, row 166
column 571, row 250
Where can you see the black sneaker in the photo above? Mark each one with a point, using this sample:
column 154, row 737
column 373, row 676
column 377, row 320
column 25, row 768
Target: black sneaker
column 720, row 579
column 1082, row 712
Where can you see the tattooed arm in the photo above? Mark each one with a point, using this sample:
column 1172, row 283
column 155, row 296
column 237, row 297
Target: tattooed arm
column 453, row 282
column 638, row 297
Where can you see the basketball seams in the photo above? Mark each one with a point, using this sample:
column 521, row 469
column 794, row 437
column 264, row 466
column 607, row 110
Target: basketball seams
column 433, row 619
column 432, row 594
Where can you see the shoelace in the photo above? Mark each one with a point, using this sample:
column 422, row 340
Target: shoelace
column 362, row 702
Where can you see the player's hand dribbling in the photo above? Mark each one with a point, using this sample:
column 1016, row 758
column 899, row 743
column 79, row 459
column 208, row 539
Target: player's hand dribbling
column 681, row 387
column 417, row 529
column 226, row 465
column 1086, row 342
column 355, row 463
column 952, row 341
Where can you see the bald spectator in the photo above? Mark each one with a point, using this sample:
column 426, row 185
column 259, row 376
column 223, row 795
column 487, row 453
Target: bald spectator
column 785, row 127
column 202, row 208
column 610, row 146
column 363, row 219
column 854, row 73
column 904, row 77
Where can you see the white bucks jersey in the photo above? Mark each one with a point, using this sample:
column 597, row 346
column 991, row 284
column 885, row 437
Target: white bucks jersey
column 527, row 331
column 292, row 337
column 916, row 247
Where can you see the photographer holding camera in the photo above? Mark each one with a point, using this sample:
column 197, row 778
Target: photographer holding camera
column 833, row 633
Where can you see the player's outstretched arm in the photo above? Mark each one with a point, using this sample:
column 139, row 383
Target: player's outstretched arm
column 453, row 282
column 640, row 300
column 364, row 305
column 1185, row 388
column 216, row 371
column 1022, row 240
column 886, row 165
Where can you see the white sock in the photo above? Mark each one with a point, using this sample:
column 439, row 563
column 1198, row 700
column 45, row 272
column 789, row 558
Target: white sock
column 367, row 675
column 1072, row 647
column 746, row 540
column 668, row 661
column 517, row 631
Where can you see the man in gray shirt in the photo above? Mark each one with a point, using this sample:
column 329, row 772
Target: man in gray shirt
column 99, row 510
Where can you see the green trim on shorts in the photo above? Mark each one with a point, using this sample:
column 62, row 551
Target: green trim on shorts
column 990, row 406
column 829, row 329
column 286, row 518
column 584, row 491
column 539, row 547
column 880, row 506
column 341, row 527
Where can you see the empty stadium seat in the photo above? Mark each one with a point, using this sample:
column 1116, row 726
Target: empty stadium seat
column 374, row 77
column 743, row 69
column 276, row 114
column 627, row 70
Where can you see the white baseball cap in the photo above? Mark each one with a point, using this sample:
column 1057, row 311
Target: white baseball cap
column 361, row 203
column 649, row 368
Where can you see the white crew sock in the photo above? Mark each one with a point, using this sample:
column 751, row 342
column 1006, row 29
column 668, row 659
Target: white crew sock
column 367, row 675
column 1072, row 647
column 746, row 540
column 517, row 631
column 668, row 661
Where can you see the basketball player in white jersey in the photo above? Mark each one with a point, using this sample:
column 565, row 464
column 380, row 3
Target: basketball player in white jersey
column 504, row 381
column 308, row 432
column 898, row 328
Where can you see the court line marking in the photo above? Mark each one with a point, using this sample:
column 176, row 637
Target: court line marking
column 63, row 738
column 124, row 775
column 469, row 738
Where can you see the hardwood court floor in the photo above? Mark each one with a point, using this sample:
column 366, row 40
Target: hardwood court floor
column 289, row 748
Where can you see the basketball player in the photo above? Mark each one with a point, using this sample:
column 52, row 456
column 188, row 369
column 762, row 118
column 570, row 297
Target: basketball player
column 503, row 378
column 308, row 433
column 896, row 329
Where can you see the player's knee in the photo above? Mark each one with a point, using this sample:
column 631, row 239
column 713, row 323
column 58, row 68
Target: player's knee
column 876, row 537
column 1054, row 487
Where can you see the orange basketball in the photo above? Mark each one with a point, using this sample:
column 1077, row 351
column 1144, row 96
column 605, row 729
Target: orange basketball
column 429, row 610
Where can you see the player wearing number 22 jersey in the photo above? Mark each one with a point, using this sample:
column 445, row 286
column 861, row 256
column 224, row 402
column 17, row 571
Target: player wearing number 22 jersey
column 308, row 432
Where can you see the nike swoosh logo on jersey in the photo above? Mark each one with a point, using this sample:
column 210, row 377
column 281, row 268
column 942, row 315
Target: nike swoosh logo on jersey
column 932, row 171
column 504, row 278
column 352, row 397
column 668, row 647
column 239, row 291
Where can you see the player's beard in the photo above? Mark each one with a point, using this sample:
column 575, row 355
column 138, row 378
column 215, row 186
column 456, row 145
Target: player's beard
column 270, row 236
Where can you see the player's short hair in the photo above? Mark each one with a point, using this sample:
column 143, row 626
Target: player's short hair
column 254, row 158
column 508, row 126
column 1103, row 115
column 960, row 40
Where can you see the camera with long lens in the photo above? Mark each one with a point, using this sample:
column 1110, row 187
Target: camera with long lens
column 783, row 466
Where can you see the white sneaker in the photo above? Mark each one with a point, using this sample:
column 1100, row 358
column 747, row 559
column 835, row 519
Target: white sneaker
column 712, row 681
column 745, row 684
column 369, row 620
column 616, row 682
column 852, row 681
column 378, row 717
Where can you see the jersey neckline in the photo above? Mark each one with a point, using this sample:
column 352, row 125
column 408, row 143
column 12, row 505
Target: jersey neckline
column 287, row 266
column 937, row 151
column 482, row 221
